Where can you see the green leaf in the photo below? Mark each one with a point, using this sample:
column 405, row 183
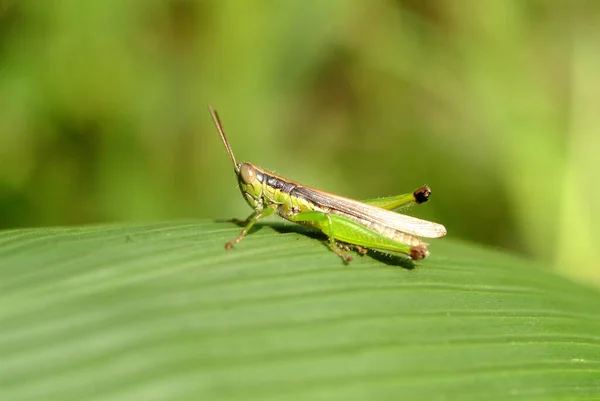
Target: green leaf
column 163, row 312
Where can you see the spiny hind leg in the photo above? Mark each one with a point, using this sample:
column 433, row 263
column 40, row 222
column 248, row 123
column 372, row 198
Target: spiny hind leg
column 249, row 223
column 328, row 229
column 416, row 252
column 342, row 230
column 355, row 236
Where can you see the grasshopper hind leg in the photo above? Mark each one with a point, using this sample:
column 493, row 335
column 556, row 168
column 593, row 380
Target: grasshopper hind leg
column 315, row 216
column 339, row 251
column 347, row 234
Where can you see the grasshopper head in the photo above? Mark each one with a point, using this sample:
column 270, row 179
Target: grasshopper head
column 250, row 179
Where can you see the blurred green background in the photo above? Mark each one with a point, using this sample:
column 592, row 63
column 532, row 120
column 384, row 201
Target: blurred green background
column 494, row 104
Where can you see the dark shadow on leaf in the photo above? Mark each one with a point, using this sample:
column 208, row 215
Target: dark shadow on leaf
column 392, row 259
column 298, row 229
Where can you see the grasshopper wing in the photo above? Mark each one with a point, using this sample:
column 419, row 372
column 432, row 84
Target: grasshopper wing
column 397, row 221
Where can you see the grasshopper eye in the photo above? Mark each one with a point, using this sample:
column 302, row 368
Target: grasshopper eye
column 248, row 173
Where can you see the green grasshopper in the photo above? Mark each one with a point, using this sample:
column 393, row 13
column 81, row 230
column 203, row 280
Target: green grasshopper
column 349, row 224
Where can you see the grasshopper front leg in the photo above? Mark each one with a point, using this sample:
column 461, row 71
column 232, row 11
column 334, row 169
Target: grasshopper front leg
column 249, row 223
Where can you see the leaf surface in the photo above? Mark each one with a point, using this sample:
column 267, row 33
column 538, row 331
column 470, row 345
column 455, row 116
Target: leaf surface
column 163, row 312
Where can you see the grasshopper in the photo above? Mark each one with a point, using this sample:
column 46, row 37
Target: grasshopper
column 349, row 224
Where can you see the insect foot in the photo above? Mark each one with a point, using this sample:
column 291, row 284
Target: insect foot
column 418, row 252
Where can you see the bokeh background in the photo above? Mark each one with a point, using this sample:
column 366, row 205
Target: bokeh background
column 494, row 104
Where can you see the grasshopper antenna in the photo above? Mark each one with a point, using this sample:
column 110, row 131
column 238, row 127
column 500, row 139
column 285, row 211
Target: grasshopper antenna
column 219, row 126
